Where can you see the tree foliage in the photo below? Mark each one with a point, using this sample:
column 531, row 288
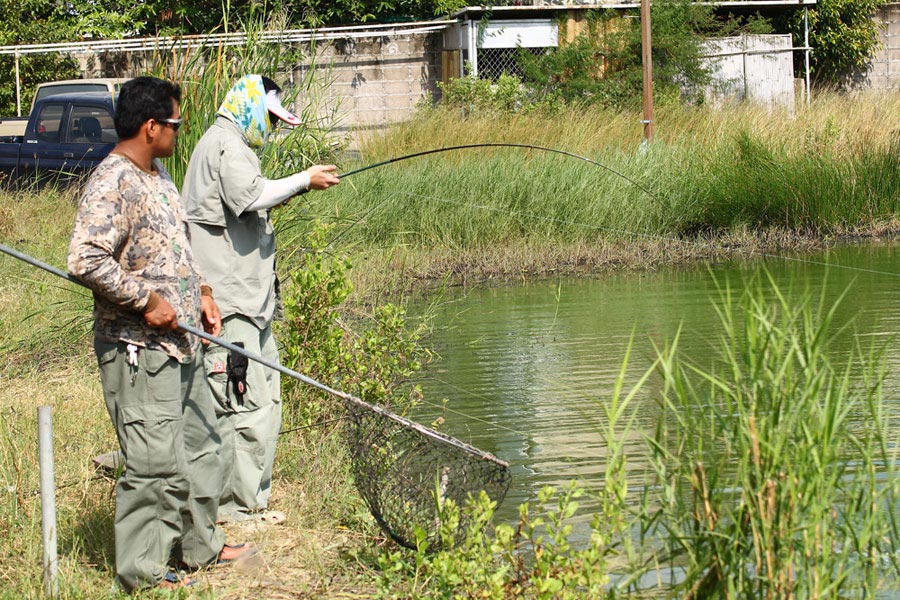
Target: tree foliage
column 603, row 64
column 31, row 21
column 843, row 35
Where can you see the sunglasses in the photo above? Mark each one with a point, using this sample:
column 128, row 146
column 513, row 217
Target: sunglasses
column 175, row 123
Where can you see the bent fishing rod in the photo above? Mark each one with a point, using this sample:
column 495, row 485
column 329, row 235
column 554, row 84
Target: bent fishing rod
column 500, row 145
column 480, row 145
column 349, row 398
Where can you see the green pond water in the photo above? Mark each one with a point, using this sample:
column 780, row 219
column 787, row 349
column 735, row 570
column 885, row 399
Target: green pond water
column 526, row 368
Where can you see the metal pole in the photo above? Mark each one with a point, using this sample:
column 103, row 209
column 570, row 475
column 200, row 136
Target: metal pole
column 646, row 59
column 744, row 68
column 806, row 48
column 48, row 500
column 18, row 86
column 473, row 47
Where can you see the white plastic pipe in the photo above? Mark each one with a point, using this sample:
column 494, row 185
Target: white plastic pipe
column 48, row 500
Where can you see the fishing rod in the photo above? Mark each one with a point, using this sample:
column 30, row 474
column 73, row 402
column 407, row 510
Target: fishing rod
column 480, row 145
column 353, row 400
column 501, row 145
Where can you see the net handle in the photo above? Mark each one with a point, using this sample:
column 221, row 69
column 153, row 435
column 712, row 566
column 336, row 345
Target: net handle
column 350, row 399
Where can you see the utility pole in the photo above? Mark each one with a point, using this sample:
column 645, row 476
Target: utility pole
column 647, row 61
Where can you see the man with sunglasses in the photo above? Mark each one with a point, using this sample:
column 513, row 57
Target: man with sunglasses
column 130, row 244
column 227, row 199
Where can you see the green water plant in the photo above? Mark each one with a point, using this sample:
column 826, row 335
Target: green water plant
column 771, row 474
column 775, row 467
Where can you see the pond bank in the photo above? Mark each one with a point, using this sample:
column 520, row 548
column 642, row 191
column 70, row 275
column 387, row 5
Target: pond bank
column 399, row 272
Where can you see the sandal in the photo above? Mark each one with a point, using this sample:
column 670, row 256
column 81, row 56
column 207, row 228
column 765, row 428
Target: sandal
column 171, row 581
column 244, row 551
column 270, row 517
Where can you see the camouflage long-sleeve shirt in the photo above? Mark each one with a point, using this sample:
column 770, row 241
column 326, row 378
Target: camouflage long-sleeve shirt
column 130, row 239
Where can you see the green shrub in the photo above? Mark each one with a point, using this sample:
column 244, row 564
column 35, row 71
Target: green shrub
column 373, row 361
column 603, row 64
column 507, row 95
column 533, row 560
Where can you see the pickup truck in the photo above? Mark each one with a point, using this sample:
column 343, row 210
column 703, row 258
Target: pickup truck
column 16, row 125
column 67, row 135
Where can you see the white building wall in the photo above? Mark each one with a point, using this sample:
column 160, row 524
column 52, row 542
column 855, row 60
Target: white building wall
column 754, row 68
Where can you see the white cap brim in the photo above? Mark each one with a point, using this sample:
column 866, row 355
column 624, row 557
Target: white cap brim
column 273, row 104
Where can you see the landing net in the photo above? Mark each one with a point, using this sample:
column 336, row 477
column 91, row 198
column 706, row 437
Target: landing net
column 402, row 469
column 405, row 471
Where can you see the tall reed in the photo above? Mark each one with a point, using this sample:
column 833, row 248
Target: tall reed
column 207, row 73
column 774, row 472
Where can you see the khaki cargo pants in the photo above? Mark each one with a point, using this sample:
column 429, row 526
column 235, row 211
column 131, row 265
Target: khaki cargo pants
column 167, row 498
column 249, row 424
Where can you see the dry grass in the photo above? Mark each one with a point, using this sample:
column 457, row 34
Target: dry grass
column 306, row 557
column 842, row 123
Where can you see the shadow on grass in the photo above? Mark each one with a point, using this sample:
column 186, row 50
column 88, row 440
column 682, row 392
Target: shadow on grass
column 89, row 535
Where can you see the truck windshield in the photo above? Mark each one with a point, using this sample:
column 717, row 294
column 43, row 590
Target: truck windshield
column 51, row 90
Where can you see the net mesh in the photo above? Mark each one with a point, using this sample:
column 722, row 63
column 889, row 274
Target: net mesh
column 401, row 468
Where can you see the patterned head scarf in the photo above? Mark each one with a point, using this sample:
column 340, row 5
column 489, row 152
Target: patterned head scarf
column 245, row 106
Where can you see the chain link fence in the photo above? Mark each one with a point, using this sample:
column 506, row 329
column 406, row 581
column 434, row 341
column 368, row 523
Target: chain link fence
column 494, row 62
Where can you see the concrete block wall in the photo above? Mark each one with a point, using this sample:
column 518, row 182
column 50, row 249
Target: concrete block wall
column 884, row 71
column 371, row 83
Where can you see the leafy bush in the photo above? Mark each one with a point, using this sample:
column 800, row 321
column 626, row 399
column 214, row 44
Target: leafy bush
column 603, row 64
column 507, row 95
column 373, row 363
column 533, row 560
column 844, row 37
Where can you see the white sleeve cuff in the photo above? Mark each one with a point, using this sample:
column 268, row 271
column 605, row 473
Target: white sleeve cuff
column 277, row 191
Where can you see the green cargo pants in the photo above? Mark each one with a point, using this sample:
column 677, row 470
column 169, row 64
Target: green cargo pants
column 248, row 423
column 166, row 500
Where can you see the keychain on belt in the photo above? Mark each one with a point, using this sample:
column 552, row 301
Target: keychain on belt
column 132, row 360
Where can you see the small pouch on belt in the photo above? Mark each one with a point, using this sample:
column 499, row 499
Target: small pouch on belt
column 237, row 373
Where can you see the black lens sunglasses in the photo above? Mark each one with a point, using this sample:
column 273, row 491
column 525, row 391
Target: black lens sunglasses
column 175, row 123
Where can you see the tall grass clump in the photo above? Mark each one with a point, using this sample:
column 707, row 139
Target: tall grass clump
column 206, row 74
column 44, row 319
column 775, row 470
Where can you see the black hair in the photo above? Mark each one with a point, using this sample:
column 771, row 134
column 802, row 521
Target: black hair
column 142, row 99
column 268, row 86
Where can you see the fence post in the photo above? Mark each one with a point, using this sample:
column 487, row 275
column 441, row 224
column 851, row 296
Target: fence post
column 48, row 500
